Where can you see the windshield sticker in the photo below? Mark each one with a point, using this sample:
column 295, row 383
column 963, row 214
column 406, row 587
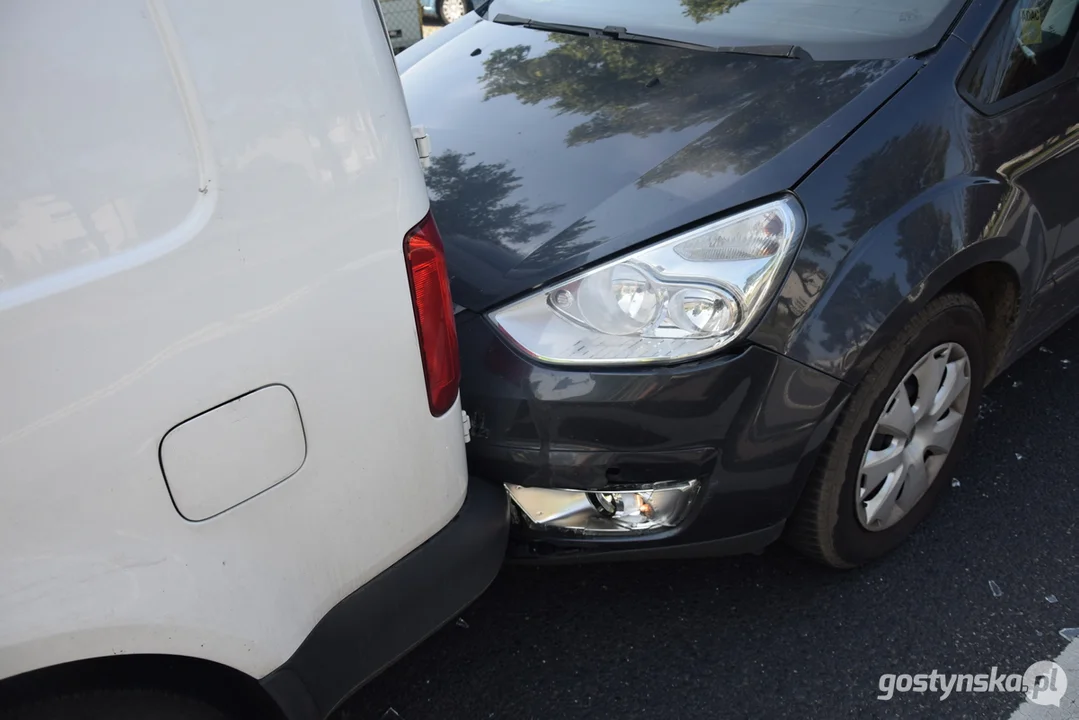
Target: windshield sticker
column 1030, row 31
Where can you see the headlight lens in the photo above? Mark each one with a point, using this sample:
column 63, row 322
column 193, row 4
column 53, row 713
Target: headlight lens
column 677, row 299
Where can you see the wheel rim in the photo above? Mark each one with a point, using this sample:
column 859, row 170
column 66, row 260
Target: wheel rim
column 913, row 437
column 453, row 10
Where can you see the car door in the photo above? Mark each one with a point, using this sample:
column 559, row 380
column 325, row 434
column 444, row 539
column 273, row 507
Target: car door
column 1022, row 80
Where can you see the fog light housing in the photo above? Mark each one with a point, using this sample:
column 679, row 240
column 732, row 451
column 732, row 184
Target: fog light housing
column 617, row 510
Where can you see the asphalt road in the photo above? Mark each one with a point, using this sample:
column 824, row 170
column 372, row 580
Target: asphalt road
column 776, row 637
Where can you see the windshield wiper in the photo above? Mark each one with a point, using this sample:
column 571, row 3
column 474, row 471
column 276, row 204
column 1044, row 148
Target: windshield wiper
column 620, row 33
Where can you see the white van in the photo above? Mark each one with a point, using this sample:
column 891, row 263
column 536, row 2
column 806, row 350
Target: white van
column 232, row 470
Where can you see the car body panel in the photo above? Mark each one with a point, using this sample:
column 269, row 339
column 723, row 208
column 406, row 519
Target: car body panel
column 648, row 138
column 415, row 53
column 199, row 200
column 918, row 195
column 741, row 423
column 907, row 187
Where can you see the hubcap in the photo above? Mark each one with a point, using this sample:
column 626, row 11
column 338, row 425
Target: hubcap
column 913, row 436
column 453, row 10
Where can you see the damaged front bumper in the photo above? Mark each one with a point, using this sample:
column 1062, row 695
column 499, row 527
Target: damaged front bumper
column 596, row 512
column 702, row 458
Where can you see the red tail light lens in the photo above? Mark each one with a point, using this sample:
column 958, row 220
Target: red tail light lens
column 430, row 285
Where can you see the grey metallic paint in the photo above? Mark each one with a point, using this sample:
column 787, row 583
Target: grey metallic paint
column 553, row 153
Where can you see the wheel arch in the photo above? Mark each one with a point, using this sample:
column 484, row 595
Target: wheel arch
column 228, row 689
column 979, row 271
column 987, row 272
column 909, row 206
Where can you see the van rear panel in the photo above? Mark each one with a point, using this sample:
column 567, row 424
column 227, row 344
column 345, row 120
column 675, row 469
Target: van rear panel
column 201, row 200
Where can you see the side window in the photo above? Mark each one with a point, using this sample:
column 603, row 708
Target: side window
column 1029, row 42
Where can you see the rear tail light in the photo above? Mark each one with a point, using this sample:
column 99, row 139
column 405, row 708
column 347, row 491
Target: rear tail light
column 430, row 286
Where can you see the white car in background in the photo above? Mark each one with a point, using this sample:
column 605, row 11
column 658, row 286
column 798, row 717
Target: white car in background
column 232, row 468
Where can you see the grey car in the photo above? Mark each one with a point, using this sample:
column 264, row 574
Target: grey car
column 736, row 270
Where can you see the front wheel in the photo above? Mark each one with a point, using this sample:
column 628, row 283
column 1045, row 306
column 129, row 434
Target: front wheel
column 898, row 440
column 453, row 10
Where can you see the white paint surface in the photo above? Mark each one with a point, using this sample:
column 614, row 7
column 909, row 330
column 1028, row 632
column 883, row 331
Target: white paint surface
column 227, row 455
column 198, row 199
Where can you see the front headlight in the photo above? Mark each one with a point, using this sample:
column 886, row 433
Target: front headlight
column 677, row 299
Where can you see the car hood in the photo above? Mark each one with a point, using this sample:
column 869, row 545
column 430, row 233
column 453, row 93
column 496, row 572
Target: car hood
column 553, row 151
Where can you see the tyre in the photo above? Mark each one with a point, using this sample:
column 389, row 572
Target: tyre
column 897, row 441
column 452, row 10
column 116, row 705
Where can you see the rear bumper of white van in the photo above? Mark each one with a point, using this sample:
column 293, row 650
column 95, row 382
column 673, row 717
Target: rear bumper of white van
column 381, row 621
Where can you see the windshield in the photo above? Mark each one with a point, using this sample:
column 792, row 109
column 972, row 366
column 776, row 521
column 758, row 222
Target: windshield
column 826, row 29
